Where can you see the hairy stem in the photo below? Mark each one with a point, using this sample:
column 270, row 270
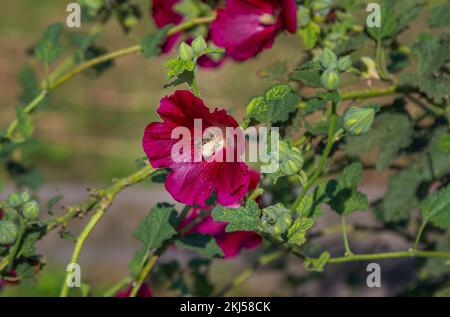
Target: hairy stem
column 79, row 246
column 348, row 251
column 145, row 271
column 323, row 159
column 390, row 255
column 419, row 234
column 53, row 84
column 16, row 246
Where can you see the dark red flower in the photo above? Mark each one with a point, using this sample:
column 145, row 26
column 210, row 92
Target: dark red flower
column 231, row 243
column 246, row 27
column 144, row 291
column 197, row 172
column 164, row 14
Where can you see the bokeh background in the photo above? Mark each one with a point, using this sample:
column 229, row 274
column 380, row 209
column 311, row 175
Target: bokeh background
column 90, row 132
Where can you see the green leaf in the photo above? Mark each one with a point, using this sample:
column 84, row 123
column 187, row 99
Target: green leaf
column 438, row 267
column 137, row 261
column 151, row 43
column 390, row 132
column 431, row 54
column 440, row 16
column 30, row 85
column 310, row 207
column 439, row 157
column 244, row 218
column 26, row 273
column 395, row 16
column 157, row 227
column 26, row 126
column 310, row 34
column 436, row 207
column 181, row 71
column 317, row 265
column 388, row 22
column 347, row 199
column 309, row 74
column 49, row 49
column 201, row 243
column 400, row 198
column 52, row 202
column 275, row 72
column 275, row 106
column 32, row 236
column 297, row 232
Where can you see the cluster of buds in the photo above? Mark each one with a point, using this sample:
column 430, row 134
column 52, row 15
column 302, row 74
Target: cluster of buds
column 333, row 66
column 17, row 206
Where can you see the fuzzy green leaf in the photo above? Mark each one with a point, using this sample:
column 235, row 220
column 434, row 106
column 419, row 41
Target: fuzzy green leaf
column 436, row 207
column 244, row 218
column 157, row 227
column 201, row 243
column 390, row 132
column 49, row 49
column 297, row 232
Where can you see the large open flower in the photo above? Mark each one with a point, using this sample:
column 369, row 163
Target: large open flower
column 246, row 27
column 196, row 171
column 231, row 243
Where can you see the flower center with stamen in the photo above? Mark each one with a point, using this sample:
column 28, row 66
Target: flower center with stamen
column 267, row 19
column 212, row 142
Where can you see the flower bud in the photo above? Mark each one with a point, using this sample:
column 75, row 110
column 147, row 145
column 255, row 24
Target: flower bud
column 293, row 162
column 358, row 120
column 344, row 63
column 8, row 232
column 186, row 52
column 276, row 219
column 328, row 59
column 14, row 200
column 199, row 45
column 31, row 210
column 330, row 79
column 25, row 196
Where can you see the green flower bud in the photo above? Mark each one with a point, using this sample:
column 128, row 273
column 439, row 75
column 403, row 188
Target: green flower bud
column 186, row 52
column 330, row 79
column 291, row 159
column 31, row 210
column 328, row 59
column 8, row 232
column 358, row 120
column 199, row 45
column 14, row 200
column 25, row 196
column 276, row 219
column 344, row 63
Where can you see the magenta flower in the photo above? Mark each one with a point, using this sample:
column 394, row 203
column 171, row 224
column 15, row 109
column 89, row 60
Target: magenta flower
column 246, row 27
column 144, row 291
column 164, row 14
column 193, row 178
column 231, row 243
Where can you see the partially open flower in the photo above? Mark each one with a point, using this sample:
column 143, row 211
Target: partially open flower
column 231, row 243
column 246, row 27
column 198, row 156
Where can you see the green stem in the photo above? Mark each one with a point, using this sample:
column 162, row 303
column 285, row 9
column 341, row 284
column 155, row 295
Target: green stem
column 183, row 214
column 390, row 255
column 79, row 245
column 118, row 286
column 143, row 275
column 16, row 246
column 370, row 93
column 246, row 274
column 323, row 159
column 99, row 60
column 419, row 234
column 97, row 195
column 348, row 251
column 3, row 263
